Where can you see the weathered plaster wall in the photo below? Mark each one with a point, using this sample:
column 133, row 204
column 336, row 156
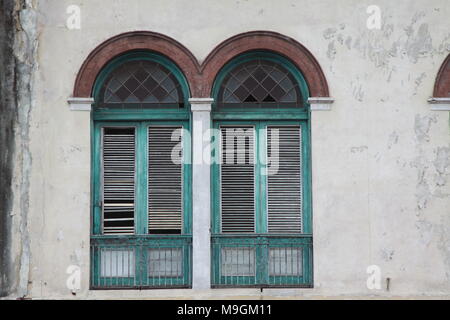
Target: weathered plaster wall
column 381, row 168
column 7, row 115
column 18, row 44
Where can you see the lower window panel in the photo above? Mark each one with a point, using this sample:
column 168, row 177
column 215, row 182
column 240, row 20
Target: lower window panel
column 261, row 261
column 120, row 262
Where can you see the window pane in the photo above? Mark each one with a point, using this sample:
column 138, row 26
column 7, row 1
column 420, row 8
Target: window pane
column 284, row 181
column 238, row 261
column 260, row 83
column 165, row 262
column 118, row 175
column 117, row 263
column 140, row 83
column 237, row 179
column 285, row 261
column 165, row 179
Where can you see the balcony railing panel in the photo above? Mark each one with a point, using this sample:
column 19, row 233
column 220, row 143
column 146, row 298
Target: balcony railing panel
column 120, row 262
column 261, row 260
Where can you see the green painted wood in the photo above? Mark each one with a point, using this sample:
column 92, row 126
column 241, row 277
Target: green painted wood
column 262, row 243
column 261, row 118
column 263, row 115
column 140, row 119
column 140, row 244
column 260, row 177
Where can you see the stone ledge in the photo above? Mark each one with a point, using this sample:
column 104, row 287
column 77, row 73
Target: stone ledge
column 439, row 104
column 80, row 104
column 320, row 103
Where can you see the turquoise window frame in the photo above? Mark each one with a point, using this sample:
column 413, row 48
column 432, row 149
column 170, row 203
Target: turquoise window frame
column 141, row 198
column 141, row 119
column 261, row 117
column 260, row 127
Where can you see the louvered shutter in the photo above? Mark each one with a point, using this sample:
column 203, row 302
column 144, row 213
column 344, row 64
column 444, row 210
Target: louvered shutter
column 284, row 181
column 237, row 179
column 165, row 179
column 118, row 173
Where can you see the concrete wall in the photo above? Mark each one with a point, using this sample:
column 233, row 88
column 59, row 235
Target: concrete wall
column 381, row 158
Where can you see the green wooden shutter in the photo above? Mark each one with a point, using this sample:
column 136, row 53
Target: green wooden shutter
column 118, row 180
column 284, row 181
column 165, row 179
column 237, row 179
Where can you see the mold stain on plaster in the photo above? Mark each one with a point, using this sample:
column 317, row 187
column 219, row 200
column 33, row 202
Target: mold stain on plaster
column 442, row 165
column 418, row 82
column 387, row 255
column 393, row 139
column 358, row 149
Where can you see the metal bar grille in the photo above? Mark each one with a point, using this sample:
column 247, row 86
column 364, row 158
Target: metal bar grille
column 142, row 261
column 261, row 261
column 284, row 181
column 118, row 173
column 165, row 179
column 237, row 179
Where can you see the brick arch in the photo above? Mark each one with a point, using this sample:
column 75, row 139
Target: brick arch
column 442, row 84
column 200, row 77
column 125, row 42
column 270, row 41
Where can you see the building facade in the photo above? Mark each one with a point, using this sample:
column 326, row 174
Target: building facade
column 242, row 149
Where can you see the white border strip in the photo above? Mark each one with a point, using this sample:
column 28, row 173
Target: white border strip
column 439, row 104
column 320, row 103
column 201, row 104
column 80, row 104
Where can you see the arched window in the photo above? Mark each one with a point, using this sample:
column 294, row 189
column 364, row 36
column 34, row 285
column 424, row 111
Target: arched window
column 261, row 183
column 141, row 177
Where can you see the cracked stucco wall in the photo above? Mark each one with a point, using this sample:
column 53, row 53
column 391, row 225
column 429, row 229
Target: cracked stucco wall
column 23, row 62
column 380, row 157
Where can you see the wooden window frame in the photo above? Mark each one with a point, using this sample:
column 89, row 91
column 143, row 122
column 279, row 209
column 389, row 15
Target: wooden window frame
column 261, row 239
column 141, row 241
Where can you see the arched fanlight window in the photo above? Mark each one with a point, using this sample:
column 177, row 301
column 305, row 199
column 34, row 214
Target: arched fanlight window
column 140, row 84
column 260, row 83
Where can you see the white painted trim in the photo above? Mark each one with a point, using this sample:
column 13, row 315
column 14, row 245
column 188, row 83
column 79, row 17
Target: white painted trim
column 201, row 104
column 201, row 186
column 320, row 103
column 80, row 104
column 439, row 104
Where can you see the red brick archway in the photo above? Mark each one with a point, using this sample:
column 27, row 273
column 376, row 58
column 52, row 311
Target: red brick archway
column 442, row 84
column 265, row 40
column 201, row 76
column 138, row 40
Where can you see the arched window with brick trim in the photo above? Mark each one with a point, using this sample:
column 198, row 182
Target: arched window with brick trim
column 262, row 232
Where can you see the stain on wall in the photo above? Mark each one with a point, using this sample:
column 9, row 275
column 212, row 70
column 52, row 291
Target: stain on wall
column 18, row 45
column 7, row 120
